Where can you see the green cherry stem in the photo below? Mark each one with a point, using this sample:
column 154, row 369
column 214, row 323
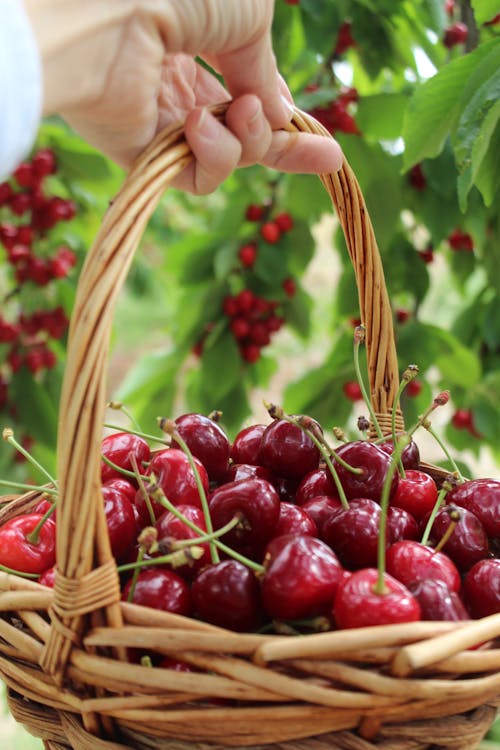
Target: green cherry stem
column 359, row 337
column 10, row 571
column 441, row 399
column 135, row 575
column 439, row 502
column 145, row 435
column 399, row 446
column 118, row 406
column 427, row 425
column 8, row 436
column 169, row 426
column 144, row 492
column 29, row 487
column 409, row 374
column 34, row 536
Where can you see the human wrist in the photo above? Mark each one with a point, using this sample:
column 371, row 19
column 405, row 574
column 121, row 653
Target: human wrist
column 77, row 42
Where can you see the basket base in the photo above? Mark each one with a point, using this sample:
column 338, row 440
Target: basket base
column 63, row 731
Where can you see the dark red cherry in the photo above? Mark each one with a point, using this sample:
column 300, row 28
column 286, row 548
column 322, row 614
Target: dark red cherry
column 416, row 492
column 482, row 588
column 401, row 524
column 118, row 448
column 227, row 594
column 121, row 522
column 174, row 475
column 411, row 562
column 315, row 483
column 373, row 463
column 286, row 488
column 246, row 445
column 481, row 497
column 122, row 485
column 17, row 553
column 207, row 441
column 437, row 602
column 353, row 533
column 172, row 529
column 255, row 501
column 236, row 472
column 410, row 458
column 294, row 520
column 287, row 450
column 301, row 578
column 358, row 605
column 48, row 577
column 160, row 588
column 320, row 508
column 468, row 542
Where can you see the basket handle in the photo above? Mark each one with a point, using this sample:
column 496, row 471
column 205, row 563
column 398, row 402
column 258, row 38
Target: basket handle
column 87, row 582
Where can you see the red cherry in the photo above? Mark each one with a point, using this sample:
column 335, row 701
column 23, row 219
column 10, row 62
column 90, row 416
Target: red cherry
column 237, row 472
column 240, row 327
column 449, row 7
column 121, row 522
column 414, row 388
column 250, row 353
column 48, row 578
column 245, row 300
column 482, row 498
column 171, row 529
column 254, row 212
column 258, row 505
column 287, row 450
column 401, row 524
column 437, row 602
column 427, row 254
column 462, row 419
column 24, row 175
column 468, row 542
column 410, row 562
column 315, row 483
column 301, row 577
column 289, row 287
column 227, row 594
column 123, row 486
column 259, row 334
column 6, row 193
column 230, row 306
column 175, row 477
column 455, row 34
column 20, row 203
column 352, row 390
column 417, row 177
column 248, row 255
column 284, row 222
column 270, row 232
column 482, row 588
column 44, row 162
column 120, row 447
column 294, row 520
column 246, row 445
column 207, row 441
column 8, row 331
column 344, row 39
column 160, row 588
column 18, row 553
column 353, row 533
column 373, row 463
column 358, row 605
column 416, row 492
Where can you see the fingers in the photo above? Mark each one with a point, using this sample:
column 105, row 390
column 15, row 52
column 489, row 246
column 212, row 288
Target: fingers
column 245, row 118
column 304, row 153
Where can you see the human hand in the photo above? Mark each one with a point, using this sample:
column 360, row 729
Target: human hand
column 140, row 76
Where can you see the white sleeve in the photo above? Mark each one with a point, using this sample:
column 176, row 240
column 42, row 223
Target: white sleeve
column 20, row 85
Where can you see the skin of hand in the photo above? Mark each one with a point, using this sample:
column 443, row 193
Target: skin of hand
column 119, row 71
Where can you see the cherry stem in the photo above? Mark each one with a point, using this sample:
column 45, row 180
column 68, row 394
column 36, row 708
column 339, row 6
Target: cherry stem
column 118, row 406
column 34, row 536
column 440, row 400
column 169, row 427
column 32, row 487
column 454, row 465
column 145, row 435
column 439, row 501
column 140, row 482
column 399, row 446
column 137, row 570
column 8, row 436
column 455, row 517
column 409, row 374
column 11, row 571
column 359, row 336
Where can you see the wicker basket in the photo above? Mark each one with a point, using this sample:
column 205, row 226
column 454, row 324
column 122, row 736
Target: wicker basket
column 399, row 687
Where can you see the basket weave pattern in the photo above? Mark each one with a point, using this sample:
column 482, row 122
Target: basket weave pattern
column 62, row 651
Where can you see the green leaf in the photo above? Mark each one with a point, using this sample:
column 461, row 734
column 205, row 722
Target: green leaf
column 484, row 10
column 297, row 312
column 435, row 106
column 36, row 410
column 221, row 367
column 381, row 115
column 488, row 176
column 271, row 264
column 306, row 198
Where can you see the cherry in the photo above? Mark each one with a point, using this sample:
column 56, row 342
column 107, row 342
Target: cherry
column 240, row 327
column 482, row 498
column 254, row 212
column 301, row 577
column 427, row 254
column 410, row 562
column 344, row 39
column 482, row 588
column 174, row 475
column 289, row 287
column 468, row 542
column 250, row 353
column 284, row 221
column 358, row 605
column 207, row 441
column 455, row 34
column 294, row 520
column 227, row 594
column 118, row 448
column 410, row 458
column 416, row 492
column 255, row 501
column 248, row 254
column 401, row 524
column 171, row 529
column 353, row 533
column 287, row 450
column 373, row 462
column 319, row 509
column 437, row 602
column 315, row 483
column 18, row 553
column 352, row 390
column 237, row 472
column 160, row 588
column 123, row 486
column 417, row 177
column 270, row 232
column 414, row 388
column 44, row 163
column 462, row 419
column 121, row 522
column 48, row 577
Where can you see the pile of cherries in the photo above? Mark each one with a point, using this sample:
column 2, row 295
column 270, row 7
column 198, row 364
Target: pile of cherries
column 277, row 532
